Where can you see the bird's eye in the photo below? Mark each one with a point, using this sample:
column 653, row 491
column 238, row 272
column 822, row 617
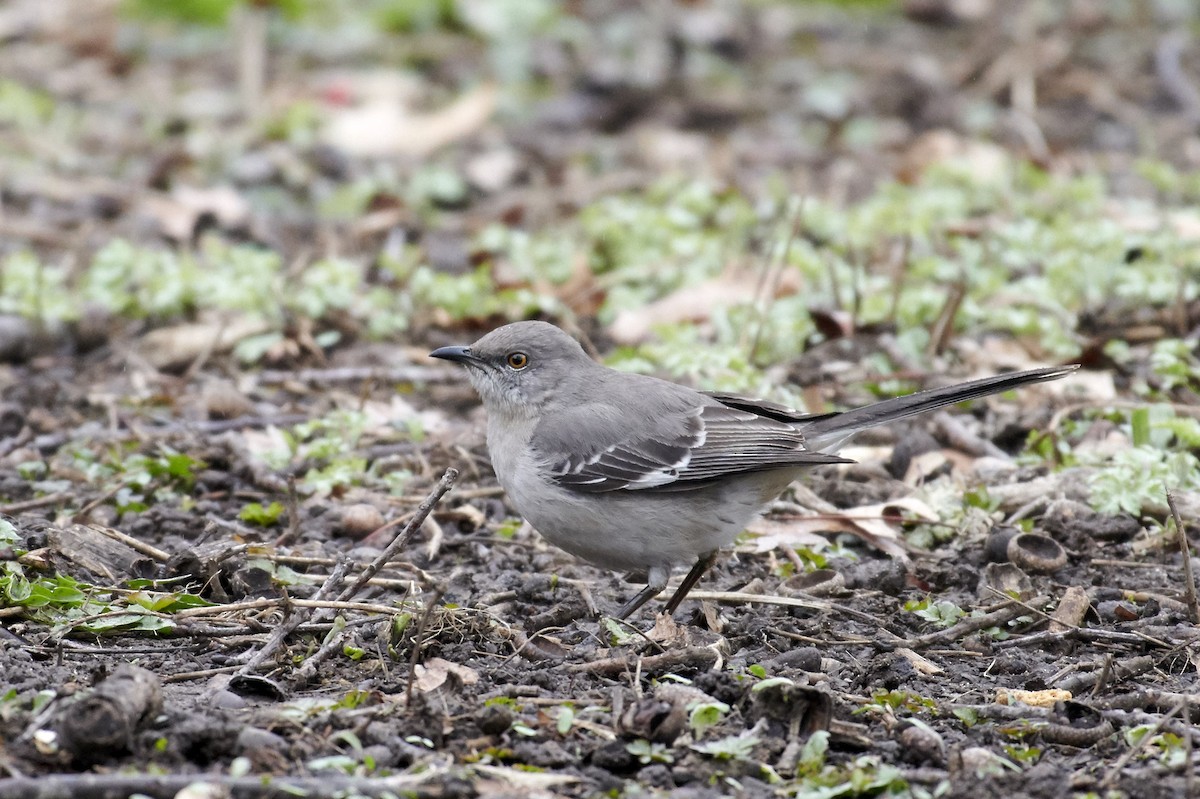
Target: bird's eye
column 517, row 360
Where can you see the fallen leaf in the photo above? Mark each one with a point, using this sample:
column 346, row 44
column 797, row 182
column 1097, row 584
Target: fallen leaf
column 178, row 214
column 382, row 126
column 696, row 303
column 178, row 345
column 872, row 523
column 434, row 672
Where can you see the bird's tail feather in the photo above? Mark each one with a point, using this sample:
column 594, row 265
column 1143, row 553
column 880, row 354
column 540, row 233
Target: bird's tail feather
column 829, row 432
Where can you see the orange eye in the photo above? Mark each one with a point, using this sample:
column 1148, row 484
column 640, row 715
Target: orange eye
column 517, row 360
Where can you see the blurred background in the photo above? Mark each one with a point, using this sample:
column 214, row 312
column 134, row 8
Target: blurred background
column 285, row 178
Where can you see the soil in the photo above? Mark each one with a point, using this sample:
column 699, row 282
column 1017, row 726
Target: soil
column 478, row 660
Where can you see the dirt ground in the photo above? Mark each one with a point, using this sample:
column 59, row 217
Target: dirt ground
column 406, row 635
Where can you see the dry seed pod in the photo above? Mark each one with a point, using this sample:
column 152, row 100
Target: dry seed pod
column 1035, row 553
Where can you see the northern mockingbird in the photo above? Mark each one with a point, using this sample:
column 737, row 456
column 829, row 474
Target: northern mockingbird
column 640, row 475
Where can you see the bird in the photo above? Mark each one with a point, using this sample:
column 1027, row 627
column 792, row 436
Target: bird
column 638, row 474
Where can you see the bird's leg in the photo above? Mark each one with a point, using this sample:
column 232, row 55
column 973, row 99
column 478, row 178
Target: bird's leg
column 656, row 581
column 703, row 564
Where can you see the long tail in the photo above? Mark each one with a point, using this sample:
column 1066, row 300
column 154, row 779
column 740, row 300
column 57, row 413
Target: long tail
column 827, row 433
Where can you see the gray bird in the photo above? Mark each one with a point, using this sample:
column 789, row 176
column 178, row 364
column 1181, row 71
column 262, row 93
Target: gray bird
column 637, row 474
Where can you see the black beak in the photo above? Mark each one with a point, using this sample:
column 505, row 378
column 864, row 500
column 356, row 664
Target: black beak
column 458, row 354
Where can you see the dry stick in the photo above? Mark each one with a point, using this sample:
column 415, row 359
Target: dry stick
column 1120, row 671
column 1130, row 753
column 308, row 669
column 694, row 656
column 273, row 602
column 398, row 374
column 102, row 786
column 288, row 626
column 1009, row 611
column 793, row 602
column 14, row 508
column 56, row 440
column 133, row 543
column 83, row 512
column 772, row 273
column 1186, row 551
column 419, row 634
column 401, row 540
column 293, row 513
column 1105, row 673
column 1072, row 627
column 1190, row 779
column 205, row 353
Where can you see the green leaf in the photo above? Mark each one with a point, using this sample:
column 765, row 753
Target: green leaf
column 706, row 715
column 1139, row 420
column 256, row 513
column 565, row 719
column 812, row 756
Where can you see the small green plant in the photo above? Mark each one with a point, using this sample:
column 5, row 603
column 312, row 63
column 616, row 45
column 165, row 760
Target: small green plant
column 812, row 756
column 68, row 604
column 648, row 752
column 705, row 715
column 564, row 720
column 618, row 633
column 734, row 747
column 943, row 613
column 1136, row 477
column 263, row 516
column 863, row 776
column 887, row 702
column 1167, row 747
column 967, row 715
column 1023, row 753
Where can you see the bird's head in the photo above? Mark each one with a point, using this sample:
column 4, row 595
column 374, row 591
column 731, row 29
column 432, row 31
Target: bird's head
column 520, row 367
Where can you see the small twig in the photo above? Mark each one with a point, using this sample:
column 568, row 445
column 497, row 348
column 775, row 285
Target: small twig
column 14, row 508
column 1142, row 743
column 1190, row 773
column 465, row 493
column 424, row 785
column 1120, row 671
column 186, row 676
column 1186, row 551
column 52, row 441
column 1169, row 65
column 1072, row 633
column 293, row 514
column 1105, row 671
column 1048, row 617
column 398, row 374
column 331, row 644
column 280, row 634
column 83, row 512
column 700, row 657
column 787, row 601
column 419, row 635
column 1010, row 610
column 1062, row 413
column 133, row 543
column 259, row 604
column 401, row 540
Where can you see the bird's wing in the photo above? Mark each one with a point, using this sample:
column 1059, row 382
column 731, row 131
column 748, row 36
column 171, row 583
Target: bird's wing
column 704, row 443
column 762, row 407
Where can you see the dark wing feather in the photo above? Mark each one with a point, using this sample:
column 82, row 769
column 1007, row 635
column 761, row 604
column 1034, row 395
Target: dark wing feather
column 762, row 407
column 715, row 442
